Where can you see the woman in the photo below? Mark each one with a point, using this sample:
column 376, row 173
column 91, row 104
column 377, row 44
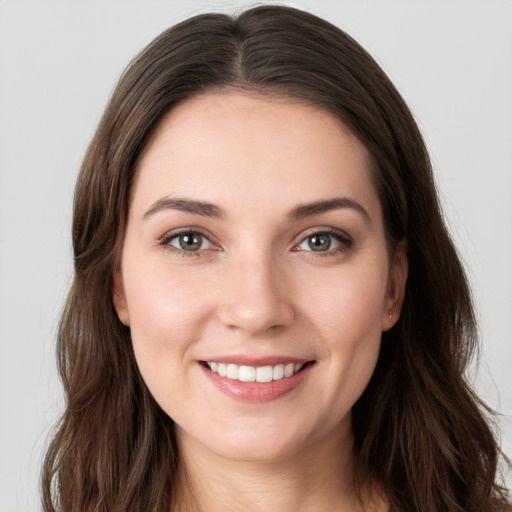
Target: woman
column 267, row 310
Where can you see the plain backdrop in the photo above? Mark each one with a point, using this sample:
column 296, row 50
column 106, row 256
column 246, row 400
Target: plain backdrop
column 451, row 60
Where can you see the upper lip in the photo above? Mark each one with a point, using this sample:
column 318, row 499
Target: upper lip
column 256, row 361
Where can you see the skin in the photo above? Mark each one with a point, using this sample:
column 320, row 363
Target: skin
column 255, row 287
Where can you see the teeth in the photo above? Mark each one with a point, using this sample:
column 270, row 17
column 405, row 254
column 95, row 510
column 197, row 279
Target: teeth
column 278, row 372
column 264, row 374
column 246, row 374
column 254, row 374
column 288, row 370
column 232, row 371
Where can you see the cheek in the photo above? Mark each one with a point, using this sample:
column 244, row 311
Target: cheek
column 346, row 312
column 167, row 307
column 345, row 301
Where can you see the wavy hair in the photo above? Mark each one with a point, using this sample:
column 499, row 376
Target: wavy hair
column 420, row 431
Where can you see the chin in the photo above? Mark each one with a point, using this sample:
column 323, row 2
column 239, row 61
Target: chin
column 264, row 441
column 263, row 450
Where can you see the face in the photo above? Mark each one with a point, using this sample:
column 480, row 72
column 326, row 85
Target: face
column 255, row 276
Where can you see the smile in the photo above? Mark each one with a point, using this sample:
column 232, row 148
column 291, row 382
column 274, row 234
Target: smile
column 264, row 380
column 259, row 374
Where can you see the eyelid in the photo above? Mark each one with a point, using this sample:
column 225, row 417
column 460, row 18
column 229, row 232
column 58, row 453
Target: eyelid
column 345, row 240
column 165, row 239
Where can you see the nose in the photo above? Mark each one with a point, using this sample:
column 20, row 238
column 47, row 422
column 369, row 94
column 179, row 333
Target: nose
column 255, row 297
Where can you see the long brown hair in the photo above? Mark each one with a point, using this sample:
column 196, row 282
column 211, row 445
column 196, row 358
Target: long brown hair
column 420, row 431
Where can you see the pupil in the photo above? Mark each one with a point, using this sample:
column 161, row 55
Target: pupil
column 319, row 242
column 190, row 242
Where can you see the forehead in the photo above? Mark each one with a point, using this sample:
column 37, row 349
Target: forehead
column 233, row 147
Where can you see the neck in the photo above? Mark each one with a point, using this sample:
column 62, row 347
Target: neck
column 319, row 477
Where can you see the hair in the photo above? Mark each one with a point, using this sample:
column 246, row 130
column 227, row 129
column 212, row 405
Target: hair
column 420, row 431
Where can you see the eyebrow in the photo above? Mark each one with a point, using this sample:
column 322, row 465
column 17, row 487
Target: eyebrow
column 185, row 205
column 299, row 212
column 318, row 207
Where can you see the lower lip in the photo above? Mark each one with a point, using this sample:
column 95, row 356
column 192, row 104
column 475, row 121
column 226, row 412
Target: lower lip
column 256, row 391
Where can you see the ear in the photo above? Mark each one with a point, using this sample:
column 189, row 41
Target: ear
column 119, row 299
column 396, row 287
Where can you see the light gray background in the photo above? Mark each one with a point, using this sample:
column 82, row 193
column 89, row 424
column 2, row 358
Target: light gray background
column 452, row 61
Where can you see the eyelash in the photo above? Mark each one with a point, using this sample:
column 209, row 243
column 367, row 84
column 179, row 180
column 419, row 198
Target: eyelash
column 345, row 242
column 166, row 239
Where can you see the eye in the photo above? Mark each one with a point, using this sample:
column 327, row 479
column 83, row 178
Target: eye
column 330, row 242
column 190, row 241
column 318, row 242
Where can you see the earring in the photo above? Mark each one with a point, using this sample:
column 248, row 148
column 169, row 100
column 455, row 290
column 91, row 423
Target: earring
column 390, row 314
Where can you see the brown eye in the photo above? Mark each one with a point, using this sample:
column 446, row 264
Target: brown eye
column 190, row 241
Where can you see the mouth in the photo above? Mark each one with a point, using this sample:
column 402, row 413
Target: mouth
column 264, row 380
column 258, row 374
column 256, row 379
